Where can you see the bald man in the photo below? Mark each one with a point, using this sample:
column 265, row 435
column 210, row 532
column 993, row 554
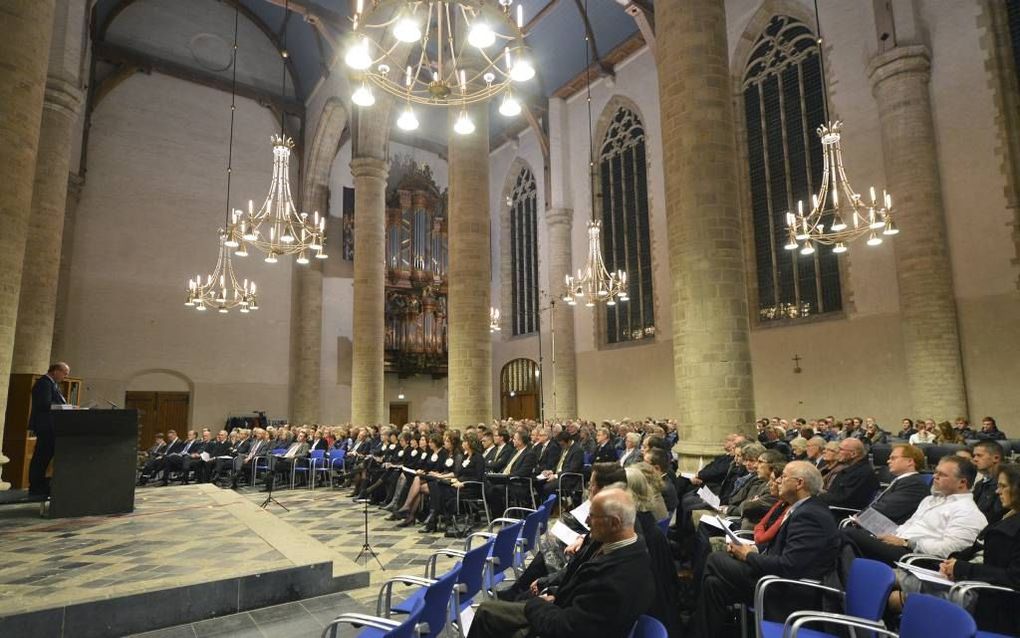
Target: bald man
column 855, row 484
column 602, row 597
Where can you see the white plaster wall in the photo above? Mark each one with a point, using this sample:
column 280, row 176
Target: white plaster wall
column 147, row 221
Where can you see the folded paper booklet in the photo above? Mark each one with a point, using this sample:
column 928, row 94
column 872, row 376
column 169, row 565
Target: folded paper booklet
column 688, row 475
column 929, row 575
column 717, row 522
column 566, row 535
column 205, row 456
column 709, row 497
column 581, row 513
column 876, row 522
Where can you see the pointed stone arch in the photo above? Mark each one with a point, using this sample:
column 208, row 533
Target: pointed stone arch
column 505, row 267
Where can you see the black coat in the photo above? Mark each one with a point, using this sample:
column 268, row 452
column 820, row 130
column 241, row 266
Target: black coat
column 44, row 394
column 854, row 486
column 900, row 500
column 717, row 470
column 548, row 457
column 987, row 500
column 805, row 547
column 573, row 459
column 502, row 457
column 603, row 598
column 1001, row 566
column 605, row 453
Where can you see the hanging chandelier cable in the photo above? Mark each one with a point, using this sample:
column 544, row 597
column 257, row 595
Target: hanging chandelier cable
column 838, row 215
column 594, row 283
column 221, row 289
column 277, row 228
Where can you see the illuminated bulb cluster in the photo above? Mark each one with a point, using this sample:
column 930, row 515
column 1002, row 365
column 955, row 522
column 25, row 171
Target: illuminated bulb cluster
column 594, row 283
column 221, row 289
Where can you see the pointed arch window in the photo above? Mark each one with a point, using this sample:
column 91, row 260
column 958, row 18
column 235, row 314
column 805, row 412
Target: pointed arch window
column 626, row 245
column 783, row 97
column 524, row 253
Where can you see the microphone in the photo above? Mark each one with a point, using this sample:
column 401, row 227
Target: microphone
column 92, row 403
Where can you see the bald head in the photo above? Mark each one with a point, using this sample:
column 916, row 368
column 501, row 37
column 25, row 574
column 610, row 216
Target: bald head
column 612, row 515
column 851, row 450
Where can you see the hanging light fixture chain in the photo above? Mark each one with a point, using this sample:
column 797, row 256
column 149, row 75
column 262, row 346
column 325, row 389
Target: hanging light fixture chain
column 233, row 107
column 821, row 64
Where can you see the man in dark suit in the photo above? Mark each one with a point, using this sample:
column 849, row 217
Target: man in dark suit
column 855, row 485
column 988, row 457
column 606, row 451
column 157, row 462
column 209, row 460
column 602, row 596
column 45, row 392
column 805, row 547
column 900, row 499
column 181, row 461
column 260, row 448
column 520, row 466
column 547, row 451
column 571, row 461
column 504, row 452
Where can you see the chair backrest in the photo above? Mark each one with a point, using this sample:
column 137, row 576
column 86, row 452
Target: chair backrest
column 503, row 547
column 664, row 526
column 435, row 609
column 867, row 588
column 928, row 477
column 545, row 509
column 407, row 628
column 337, row 454
column 472, row 569
column 317, row 454
column 530, row 530
column 925, row 616
column 588, row 456
column 880, row 454
column 648, row 627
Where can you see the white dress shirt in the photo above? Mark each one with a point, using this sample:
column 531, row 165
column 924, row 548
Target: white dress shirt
column 943, row 524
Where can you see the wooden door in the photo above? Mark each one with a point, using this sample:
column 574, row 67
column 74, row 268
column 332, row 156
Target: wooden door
column 399, row 414
column 159, row 412
column 521, row 406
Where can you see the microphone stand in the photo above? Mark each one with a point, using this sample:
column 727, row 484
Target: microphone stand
column 271, row 481
column 366, row 548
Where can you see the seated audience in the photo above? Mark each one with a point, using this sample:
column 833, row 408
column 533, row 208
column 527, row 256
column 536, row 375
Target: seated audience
column 571, row 461
column 605, row 452
column 945, row 522
column 962, row 426
column 631, row 449
column 907, row 429
column 925, row 433
column 854, row 484
column 987, row 458
column 989, row 430
column 805, row 546
column 899, row 500
column 945, row 434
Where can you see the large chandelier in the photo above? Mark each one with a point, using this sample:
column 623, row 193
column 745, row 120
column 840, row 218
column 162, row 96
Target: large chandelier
column 277, row 228
column 221, row 289
column 447, row 53
column 837, row 216
column 594, row 283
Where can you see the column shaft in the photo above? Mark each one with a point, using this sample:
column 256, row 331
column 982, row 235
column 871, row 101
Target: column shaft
column 711, row 349
column 37, row 308
column 558, row 224
column 470, row 345
column 74, row 186
column 367, row 364
column 25, row 34
column 306, row 397
column 931, row 337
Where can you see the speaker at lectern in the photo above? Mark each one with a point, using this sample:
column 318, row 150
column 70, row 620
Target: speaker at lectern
column 95, row 455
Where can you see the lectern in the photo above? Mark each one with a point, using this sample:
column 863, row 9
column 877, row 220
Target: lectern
column 94, row 462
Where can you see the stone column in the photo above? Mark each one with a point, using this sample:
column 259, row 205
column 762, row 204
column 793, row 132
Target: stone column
column 470, row 274
column 74, row 186
column 306, row 396
column 711, row 349
column 558, row 223
column 367, row 364
column 931, row 338
column 24, row 46
column 37, row 309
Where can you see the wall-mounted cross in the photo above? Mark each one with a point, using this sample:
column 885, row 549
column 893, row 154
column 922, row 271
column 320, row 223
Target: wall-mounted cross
column 796, row 364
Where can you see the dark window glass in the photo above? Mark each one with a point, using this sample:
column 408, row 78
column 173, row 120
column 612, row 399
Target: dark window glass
column 524, row 254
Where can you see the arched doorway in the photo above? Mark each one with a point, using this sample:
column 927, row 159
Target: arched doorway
column 519, row 390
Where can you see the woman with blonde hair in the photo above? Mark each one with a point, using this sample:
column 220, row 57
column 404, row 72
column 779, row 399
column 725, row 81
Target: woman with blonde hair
column 645, row 484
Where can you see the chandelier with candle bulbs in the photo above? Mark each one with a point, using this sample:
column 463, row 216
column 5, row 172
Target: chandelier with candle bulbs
column 221, row 289
column 277, row 228
column 447, row 53
column 838, row 216
column 594, row 283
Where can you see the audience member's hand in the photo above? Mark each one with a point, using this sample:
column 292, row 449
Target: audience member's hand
column 573, row 547
column 947, row 567
column 889, row 539
column 696, row 481
column 548, row 598
column 739, row 552
column 534, row 587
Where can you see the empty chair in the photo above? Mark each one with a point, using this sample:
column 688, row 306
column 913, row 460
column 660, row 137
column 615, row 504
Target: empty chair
column 439, row 597
column 867, row 591
column 924, row 616
column 501, row 558
column 648, row 627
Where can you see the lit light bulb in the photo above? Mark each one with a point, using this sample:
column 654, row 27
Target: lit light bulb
column 522, row 71
column 357, row 56
column 464, row 125
column 481, row 36
column 510, row 107
column 407, row 121
column 301, row 259
column 270, row 259
column 839, row 248
column 363, row 96
column 890, row 228
column 406, row 30
column 242, row 251
column 874, row 240
column 808, row 249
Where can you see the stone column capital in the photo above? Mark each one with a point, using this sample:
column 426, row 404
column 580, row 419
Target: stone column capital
column 62, row 96
column 370, row 167
column 907, row 59
column 559, row 217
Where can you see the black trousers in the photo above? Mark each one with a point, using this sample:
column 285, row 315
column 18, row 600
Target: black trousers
column 727, row 581
column 867, row 546
column 498, row 619
column 44, row 443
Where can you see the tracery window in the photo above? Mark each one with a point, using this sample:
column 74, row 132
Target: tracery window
column 524, row 253
column 623, row 185
column 783, row 107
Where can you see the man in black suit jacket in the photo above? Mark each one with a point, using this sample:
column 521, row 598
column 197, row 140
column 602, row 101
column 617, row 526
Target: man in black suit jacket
column 855, row 485
column 504, row 452
column 157, row 462
column 900, row 499
column 213, row 450
column 547, row 452
column 189, row 454
column 603, row 597
column 988, row 457
column 571, row 461
column 520, row 466
column 606, row 451
column 45, row 393
column 805, row 547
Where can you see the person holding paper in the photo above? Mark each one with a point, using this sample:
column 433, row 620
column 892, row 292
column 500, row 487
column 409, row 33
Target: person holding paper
column 945, row 522
column 998, row 545
column 207, row 461
column 805, row 547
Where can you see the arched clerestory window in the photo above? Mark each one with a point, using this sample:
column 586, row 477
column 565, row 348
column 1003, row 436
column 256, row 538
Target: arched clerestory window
column 783, row 108
column 626, row 244
column 524, row 253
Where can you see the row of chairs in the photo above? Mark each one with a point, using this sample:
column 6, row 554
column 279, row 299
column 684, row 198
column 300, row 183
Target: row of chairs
column 329, row 465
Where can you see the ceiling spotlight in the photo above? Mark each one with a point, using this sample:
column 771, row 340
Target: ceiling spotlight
column 510, row 107
column 464, row 125
column 522, row 71
column 357, row 56
column 407, row 121
column 363, row 96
